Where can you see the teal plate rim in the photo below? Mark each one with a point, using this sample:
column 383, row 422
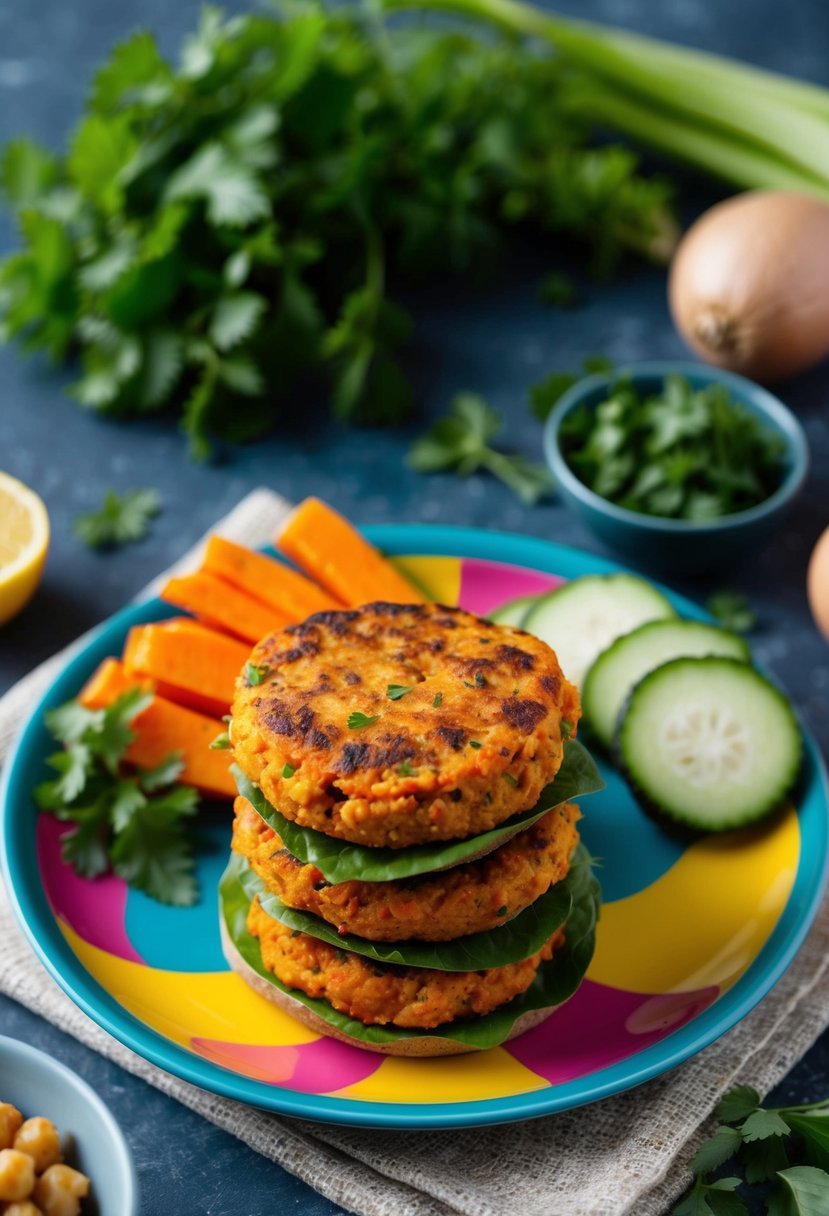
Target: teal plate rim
column 19, row 868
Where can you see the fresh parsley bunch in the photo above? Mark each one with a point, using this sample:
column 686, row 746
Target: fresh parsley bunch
column 132, row 822
column 787, row 1146
column 221, row 227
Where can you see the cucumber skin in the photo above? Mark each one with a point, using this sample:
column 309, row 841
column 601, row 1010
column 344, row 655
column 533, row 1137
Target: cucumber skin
column 528, row 601
column 608, row 746
column 680, row 824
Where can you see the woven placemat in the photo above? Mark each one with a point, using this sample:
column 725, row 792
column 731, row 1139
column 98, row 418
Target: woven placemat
column 626, row 1155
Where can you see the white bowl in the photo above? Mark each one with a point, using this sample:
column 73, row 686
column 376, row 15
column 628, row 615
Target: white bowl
column 38, row 1085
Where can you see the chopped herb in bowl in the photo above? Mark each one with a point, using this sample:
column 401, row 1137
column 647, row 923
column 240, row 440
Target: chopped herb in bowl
column 675, row 465
column 681, row 452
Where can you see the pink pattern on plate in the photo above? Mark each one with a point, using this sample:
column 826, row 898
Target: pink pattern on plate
column 487, row 585
column 600, row 1026
column 312, row 1068
column 95, row 908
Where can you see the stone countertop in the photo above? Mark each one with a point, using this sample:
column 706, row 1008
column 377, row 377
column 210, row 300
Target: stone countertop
column 497, row 340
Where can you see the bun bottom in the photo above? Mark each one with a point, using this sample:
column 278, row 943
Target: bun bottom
column 418, row 1045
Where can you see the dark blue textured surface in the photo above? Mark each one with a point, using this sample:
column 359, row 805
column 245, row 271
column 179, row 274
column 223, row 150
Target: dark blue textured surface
column 497, row 340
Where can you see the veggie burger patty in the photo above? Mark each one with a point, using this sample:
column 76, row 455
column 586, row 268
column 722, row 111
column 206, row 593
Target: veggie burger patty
column 437, row 907
column 379, row 993
column 396, row 724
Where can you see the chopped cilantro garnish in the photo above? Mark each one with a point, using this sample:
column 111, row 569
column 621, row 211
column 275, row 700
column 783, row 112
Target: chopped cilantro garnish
column 513, row 781
column 288, row 770
column 395, row 691
column 475, row 743
column 221, row 742
column 437, row 700
column 405, row 769
column 566, row 728
column 480, row 679
column 256, row 674
column 357, row 721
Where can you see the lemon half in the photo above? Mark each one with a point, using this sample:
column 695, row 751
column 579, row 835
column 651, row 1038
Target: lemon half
column 24, row 540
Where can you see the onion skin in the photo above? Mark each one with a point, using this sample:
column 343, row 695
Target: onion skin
column 817, row 584
column 749, row 284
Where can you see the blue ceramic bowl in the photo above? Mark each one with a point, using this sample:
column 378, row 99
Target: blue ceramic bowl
column 675, row 545
column 38, row 1085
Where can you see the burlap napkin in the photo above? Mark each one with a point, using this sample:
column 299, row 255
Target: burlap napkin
column 628, row 1154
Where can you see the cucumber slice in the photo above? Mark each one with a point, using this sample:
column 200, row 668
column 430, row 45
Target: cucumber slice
column 710, row 743
column 582, row 618
column 608, row 683
column 514, row 612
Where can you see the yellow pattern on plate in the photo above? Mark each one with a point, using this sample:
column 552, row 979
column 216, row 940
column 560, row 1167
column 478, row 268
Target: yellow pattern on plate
column 183, row 1005
column 706, row 919
column 467, row 1078
column 439, row 578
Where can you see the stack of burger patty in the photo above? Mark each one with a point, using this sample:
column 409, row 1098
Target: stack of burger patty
column 402, row 819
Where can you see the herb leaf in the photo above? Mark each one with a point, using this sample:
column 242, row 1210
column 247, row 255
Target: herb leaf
column 131, row 822
column 120, row 519
column 227, row 222
column 256, row 674
column 357, row 721
column 460, row 443
column 395, row 691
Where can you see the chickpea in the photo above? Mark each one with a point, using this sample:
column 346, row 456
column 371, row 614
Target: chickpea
column 59, row 1191
column 17, row 1174
column 10, row 1120
column 24, row 1208
column 39, row 1138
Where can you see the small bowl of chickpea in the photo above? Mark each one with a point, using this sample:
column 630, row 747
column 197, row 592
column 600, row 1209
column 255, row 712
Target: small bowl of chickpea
column 61, row 1151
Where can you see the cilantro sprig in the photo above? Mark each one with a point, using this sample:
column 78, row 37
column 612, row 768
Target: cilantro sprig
column 219, row 226
column 131, row 822
column 787, row 1146
column 121, row 519
column 461, row 443
column 680, row 453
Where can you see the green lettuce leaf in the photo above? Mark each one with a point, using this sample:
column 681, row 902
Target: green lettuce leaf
column 554, row 983
column 341, row 861
column 509, row 943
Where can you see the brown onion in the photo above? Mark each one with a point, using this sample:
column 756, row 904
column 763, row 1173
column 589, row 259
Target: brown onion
column 749, row 284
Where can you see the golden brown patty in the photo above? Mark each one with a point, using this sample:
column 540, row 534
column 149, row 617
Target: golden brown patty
column 475, row 740
column 377, row 994
column 433, row 907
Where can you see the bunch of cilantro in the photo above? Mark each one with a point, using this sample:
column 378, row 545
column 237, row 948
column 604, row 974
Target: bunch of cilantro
column 219, row 228
column 781, row 1152
column 130, row 820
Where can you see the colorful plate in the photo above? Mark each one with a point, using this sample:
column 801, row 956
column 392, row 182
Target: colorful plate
column 691, row 936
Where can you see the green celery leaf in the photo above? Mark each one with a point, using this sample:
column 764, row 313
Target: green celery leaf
column 806, row 1190
column 72, row 765
column 235, row 318
column 233, row 193
column 121, row 519
column 165, row 773
column 27, row 171
column 761, row 1159
column 134, row 73
column 719, row 1148
column 84, row 846
column 763, row 1123
column 509, row 943
column 813, row 1130
column 554, row 983
column 115, row 734
column 340, row 861
column 738, row 1104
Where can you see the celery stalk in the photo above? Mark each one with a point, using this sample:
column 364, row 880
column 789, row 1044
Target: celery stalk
column 698, row 145
column 771, row 119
